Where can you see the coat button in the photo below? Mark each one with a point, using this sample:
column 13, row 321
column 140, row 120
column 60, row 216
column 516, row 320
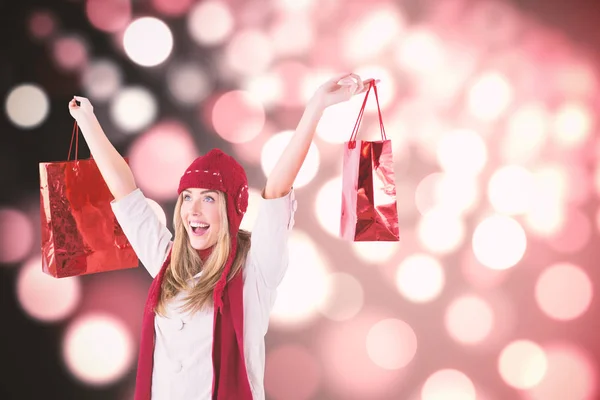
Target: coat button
column 181, row 324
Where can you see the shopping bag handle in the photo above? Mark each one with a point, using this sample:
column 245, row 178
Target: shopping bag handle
column 74, row 135
column 352, row 141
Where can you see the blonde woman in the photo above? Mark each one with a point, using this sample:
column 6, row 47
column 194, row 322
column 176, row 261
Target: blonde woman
column 214, row 285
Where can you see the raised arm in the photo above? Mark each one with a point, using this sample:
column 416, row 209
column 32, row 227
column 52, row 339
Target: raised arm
column 112, row 166
column 336, row 90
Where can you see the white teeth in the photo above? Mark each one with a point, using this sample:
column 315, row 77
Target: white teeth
column 198, row 225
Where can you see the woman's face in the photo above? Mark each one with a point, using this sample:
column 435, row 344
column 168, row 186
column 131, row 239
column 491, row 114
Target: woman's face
column 201, row 216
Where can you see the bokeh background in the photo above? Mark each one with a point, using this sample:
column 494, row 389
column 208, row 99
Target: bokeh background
column 492, row 110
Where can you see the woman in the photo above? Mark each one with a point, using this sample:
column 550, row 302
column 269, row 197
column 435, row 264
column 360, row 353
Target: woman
column 214, row 285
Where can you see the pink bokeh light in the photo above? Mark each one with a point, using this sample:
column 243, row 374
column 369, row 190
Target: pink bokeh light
column 44, row 297
column 571, row 374
column 121, row 294
column 42, row 24
column 249, row 117
column 292, row 373
column 16, row 235
column 574, row 234
column 70, row 53
column 291, row 75
column 109, row 15
column 97, row 349
column 348, row 370
column 564, row 291
column 172, row 8
column 159, row 157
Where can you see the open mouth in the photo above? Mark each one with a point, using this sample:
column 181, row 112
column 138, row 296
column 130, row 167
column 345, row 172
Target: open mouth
column 198, row 228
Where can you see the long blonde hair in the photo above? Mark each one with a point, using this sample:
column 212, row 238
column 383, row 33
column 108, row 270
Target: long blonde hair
column 185, row 263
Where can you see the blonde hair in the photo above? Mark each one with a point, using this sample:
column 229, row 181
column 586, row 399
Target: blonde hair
column 185, row 263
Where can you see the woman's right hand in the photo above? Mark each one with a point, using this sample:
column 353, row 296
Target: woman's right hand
column 83, row 110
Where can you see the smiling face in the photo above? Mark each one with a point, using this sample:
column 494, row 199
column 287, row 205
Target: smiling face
column 201, row 216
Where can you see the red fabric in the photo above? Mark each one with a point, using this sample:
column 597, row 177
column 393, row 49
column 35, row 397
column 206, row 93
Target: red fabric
column 216, row 171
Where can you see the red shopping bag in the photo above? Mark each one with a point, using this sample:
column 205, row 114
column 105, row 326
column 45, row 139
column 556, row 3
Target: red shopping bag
column 80, row 234
column 369, row 208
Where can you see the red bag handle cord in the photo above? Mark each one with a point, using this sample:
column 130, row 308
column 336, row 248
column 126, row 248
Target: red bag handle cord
column 352, row 140
column 74, row 135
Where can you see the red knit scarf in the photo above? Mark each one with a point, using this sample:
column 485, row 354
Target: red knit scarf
column 230, row 379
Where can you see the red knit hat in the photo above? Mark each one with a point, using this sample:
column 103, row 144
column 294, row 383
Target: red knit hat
column 218, row 171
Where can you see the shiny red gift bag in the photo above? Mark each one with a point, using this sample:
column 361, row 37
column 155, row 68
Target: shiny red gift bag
column 80, row 234
column 369, row 208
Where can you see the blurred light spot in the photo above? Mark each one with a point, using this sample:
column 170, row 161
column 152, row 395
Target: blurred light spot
column 570, row 374
column 44, row 297
column 391, row 344
column 294, row 5
column 292, row 373
column 576, row 79
column 580, row 182
column 148, row 41
column 420, row 278
column 250, row 152
column 159, row 158
column 425, row 193
column 70, row 53
column 249, row 52
column 440, row 231
column 469, row 319
column 133, row 109
column 526, row 134
column 27, row 105
column 478, row 275
column 101, row 80
column 16, row 236
column 499, row 242
column 337, row 121
column 510, row 190
column 522, row 364
column 121, row 295
column 349, row 371
column 490, row 96
column 448, row 384
column 549, row 194
column 563, row 291
column 377, row 28
column 158, row 210
column 291, row 76
column 98, row 349
column 420, row 52
column 573, row 235
column 328, row 206
column 462, row 152
column 172, row 8
column 344, row 299
column 249, row 117
column 375, row 252
column 292, row 34
column 109, row 15
column 572, row 124
column 266, row 88
column 254, row 198
column 210, row 22
column 386, row 89
column 274, row 148
column 41, row 24
column 308, row 267
column 189, row 84
column 457, row 193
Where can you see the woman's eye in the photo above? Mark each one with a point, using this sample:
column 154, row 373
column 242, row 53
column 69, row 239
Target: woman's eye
column 209, row 199
column 187, row 197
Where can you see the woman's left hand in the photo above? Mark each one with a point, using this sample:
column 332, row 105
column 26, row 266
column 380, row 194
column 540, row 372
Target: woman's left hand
column 340, row 89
